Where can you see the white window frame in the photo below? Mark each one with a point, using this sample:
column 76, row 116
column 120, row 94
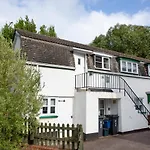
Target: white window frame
column 49, row 107
column 137, row 71
column 103, row 57
column 45, row 105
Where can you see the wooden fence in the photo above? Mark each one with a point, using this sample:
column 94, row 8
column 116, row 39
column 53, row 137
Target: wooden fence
column 61, row 136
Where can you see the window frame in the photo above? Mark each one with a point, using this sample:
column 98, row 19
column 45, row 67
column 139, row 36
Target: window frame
column 103, row 57
column 127, row 67
column 52, row 105
column 49, row 107
column 45, row 105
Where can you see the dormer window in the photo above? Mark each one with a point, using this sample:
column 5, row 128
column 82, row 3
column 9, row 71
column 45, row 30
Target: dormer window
column 102, row 62
column 129, row 66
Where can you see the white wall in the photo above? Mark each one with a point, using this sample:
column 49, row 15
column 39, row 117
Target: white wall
column 85, row 108
column 79, row 109
column 140, row 86
column 92, row 108
column 57, row 82
column 91, row 113
column 83, row 65
column 113, row 107
column 63, row 111
column 130, row 118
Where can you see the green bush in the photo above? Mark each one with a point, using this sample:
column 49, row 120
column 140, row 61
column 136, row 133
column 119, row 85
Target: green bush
column 19, row 88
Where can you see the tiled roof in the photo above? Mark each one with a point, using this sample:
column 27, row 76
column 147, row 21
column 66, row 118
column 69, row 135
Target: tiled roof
column 44, row 52
column 72, row 44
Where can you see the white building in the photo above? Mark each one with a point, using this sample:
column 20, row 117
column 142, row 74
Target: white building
column 83, row 83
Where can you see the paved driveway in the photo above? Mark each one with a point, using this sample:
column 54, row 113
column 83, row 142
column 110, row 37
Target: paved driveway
column 133, row 141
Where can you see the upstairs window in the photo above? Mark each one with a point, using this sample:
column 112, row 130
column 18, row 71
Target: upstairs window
column 102, row 62
column 129, row 67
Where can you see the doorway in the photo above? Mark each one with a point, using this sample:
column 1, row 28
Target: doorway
column 108, row 116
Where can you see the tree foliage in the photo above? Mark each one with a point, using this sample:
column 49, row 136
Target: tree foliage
column 48, row 31
column 7, row 32
column 26, row 24
column 100, row 41
column 130, row 39
column 19, row 89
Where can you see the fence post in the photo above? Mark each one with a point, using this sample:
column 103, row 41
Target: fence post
column 73, row 137
column 80, row 138
column 30, row 133
column 63, row 136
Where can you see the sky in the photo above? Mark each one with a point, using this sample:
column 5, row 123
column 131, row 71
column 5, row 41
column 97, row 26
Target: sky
column 77, row 20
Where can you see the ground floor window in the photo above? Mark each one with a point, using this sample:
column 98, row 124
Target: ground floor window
column 45, row 106
column 49, row 106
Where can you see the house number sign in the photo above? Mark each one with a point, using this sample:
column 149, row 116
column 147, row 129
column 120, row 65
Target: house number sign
column 61, row 100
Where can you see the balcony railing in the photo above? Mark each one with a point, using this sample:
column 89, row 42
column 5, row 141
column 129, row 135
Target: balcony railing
column 98, row 80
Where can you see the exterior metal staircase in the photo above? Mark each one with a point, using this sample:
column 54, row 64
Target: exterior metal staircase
column 136, row 100
column 104, row 81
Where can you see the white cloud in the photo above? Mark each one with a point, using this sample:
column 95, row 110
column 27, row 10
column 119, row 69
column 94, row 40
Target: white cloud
column 69, row 17
column 143, row 1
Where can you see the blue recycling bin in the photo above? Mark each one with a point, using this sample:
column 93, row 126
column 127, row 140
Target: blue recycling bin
column 107, row 124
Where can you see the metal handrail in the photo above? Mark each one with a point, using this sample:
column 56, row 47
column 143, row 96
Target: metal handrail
column 132, row 98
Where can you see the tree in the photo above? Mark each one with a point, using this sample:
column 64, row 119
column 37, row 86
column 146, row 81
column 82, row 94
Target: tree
column 7, row 32
column 19, row 89
column 100, row 41
column 48, row 31
column 130, row 39
column 26, row 24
